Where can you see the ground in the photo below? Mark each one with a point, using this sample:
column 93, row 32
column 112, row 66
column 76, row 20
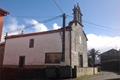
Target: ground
column 102, row 76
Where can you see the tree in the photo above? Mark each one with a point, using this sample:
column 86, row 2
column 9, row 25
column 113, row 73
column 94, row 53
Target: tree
column 92, row 55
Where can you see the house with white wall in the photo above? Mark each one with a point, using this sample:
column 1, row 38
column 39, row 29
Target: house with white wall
column 45, row 48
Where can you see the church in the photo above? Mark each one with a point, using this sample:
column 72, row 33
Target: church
column 45, row 49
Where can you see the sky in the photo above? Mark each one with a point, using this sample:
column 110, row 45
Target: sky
column 100, row 18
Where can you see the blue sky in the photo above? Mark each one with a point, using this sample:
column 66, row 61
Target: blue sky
column 103, row 13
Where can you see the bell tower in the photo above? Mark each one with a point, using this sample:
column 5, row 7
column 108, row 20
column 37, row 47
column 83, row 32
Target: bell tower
column 77, row 15
column 2, row 14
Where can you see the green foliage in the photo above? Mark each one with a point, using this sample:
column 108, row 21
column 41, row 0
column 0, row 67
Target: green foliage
column 92, row 54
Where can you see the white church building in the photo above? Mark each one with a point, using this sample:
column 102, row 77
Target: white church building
column 45, row 48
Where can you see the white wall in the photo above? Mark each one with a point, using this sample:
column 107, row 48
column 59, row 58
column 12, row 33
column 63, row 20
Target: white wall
column 44, row 43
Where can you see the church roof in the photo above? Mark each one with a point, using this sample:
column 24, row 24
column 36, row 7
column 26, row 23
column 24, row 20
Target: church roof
column 37, row 33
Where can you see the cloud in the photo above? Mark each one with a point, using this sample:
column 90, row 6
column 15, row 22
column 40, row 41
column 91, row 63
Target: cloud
column 13, row 28
column 103, row 43
column 2, row 37
column 56, row 26
column 39, row 27
column 13, row 24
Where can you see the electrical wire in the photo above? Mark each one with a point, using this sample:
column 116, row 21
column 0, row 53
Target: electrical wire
column 25, row 16
column 98, row 26
column 57, row 5
column 50, row 19
column 73, row 0
column 44, row 21
column 88, row 22
column 31, row 25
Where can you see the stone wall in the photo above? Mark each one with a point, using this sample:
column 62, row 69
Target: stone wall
column 79, row 46
column 86, row 71
column 43, row 43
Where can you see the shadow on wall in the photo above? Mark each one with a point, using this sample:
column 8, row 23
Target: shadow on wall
column 36, row 73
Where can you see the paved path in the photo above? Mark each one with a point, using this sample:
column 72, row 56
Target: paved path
column 102, row 76
column 106, row 76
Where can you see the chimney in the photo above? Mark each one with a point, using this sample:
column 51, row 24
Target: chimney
column 2, row 14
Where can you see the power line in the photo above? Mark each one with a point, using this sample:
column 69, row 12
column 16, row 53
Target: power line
column 30, row 16
column 50, row 19
column 105, row 28
column 44, row 21
column 88, row 22
column 98, row 25
column 100, row 28
column 31, row 25
column 57, row 5
column 73, row 0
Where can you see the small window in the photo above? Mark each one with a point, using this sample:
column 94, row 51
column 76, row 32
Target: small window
column 53, row 58
column 80, row 40
column 31, row 43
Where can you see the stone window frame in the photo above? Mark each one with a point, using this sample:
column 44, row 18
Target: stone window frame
column 53, row 57
column 31, row 43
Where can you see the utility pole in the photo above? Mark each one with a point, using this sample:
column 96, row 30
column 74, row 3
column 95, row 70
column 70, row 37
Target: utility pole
column 63, row 38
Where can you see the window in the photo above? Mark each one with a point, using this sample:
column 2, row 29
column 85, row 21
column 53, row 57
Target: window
column 31, row 43
column 80, row 40
column 21, row 61
column 81, row 60
column 52, row 58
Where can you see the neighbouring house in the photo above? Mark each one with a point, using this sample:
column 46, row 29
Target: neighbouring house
column 2, row 44
column 110, row 60
column 44, row 49
column 2, row 14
